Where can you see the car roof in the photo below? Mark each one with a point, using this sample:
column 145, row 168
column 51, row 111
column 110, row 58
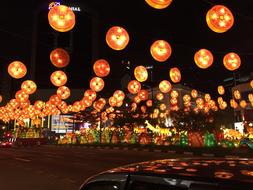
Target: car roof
column 233, row 169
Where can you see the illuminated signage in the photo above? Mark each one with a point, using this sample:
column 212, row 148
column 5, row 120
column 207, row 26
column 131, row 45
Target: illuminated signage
column 53, row 4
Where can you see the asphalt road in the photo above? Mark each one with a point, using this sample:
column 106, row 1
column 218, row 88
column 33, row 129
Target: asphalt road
column 62, row 168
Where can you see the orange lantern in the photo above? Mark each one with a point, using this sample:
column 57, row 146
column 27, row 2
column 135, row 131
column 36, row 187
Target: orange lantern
column 90, row 95
column 243, row 104
column 162, row 107
column 21, row 96
column 187, row 98
column 159, row 4
column 232, row 61
column 194, row 93
column 143, row 95
column 207, row 97
column 134, row 86
column 165, row 86
column 219, row 19
column 97, row 84
column 159, row 96
column 174, row 94
column 1, row 98
column 39, row 105
column 173, row 101
column 29, row 86
column 219, row 100
column 251, row 83
column 175, row 75
column 160, row 50
column 221, row 90
column 61, row 18
column 141, row 73
column 203, row 58
column 250, row 96
column 117, row 38
column 237, row 94
column 63, row 92
column 101, row 68
column 112, row 101
column 58, row 78
column 199, row 101
column 59, row 57
column 54, row 100
column 119, row 95
column 149, row 103
column 233, row 103
column 17, row 69
column 86, row 102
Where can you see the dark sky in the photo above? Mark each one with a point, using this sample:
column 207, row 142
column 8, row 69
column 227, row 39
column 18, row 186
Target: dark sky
column 182, row 24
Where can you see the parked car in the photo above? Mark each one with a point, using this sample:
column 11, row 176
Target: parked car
column 5, row 144
column 177, row 174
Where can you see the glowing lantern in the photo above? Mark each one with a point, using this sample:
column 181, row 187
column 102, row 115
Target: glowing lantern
column 159, row 4
column 251, row 83
column 203, row 58
column 21, row 96
column 63, row 92
column 219, row 19
column 159, row 96
column 117, row 38
column 173, row 101
column 174, row 94
column 54, row 99
column 101, row 68
column 119, row 95
column 237, row 94
column 143, row 109
column 250, row 96
column 233, row 103
column 219, row 100
column 194, row 93
column 149, row 103
column 17, row 69
column 58, row 78
column 39, row 105
column 223, row 105
column 1, row 98
column 97, row 84
column 175, row 75
column 199, row 101
column 141, row 73
column 59, row 57
column 86, row 102
column 165, row 86
column 61, row 18
column 221, row 90
column 162, row 107
column 119, row 104
column 90, row 95
column 143, row 95
column 232, row 61
column 207, row 97
column 134, row 86
column 160, row 50
column 243, row 103
column 29, row 86
column 187, row 98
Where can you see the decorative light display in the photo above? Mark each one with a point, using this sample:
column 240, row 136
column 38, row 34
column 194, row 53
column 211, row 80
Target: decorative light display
column 159, row 96
column 101, row 68
column 203, row 58
column 59, row 57
column 90, row 95
column 21, row 96
column 141, row 73
column 250, row 97
column 165, row 86
column 207, row 97
column 174, row 94
column 219, row 19
column 134, row 86
column 58, row 78
column 1, row 98
column 119, row 95
column 149, row 103
column 233, row 103
column 61, row 18
column 63, row 92
column 97, row 84
column 143, row 95
column 39, row 105
column 221, row 90
column 29, row 86
column 243, row 104
column 175, row 75
column 17, row 69
column 112, row 101
column 187, row 98
column 117, row 38
column 160, row 50
column 159, row 4
column 251, row 83
column 237, row 94
column 194, row 93
column 54, row 99
column 232, row 61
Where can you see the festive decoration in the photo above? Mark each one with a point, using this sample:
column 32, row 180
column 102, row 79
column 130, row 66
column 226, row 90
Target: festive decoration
column 21, row 96
column 160, row 50
column 219, row 19
column 17, row 69
column 159, row 4
column 251, row 83
column 232, row 61
column 90, row 95
column 237, row 94
column 97, row 84
column 149, row 103
column 250, row 97
column 119, row 95
column 203, row 58
column 61, row 18
column 101, row 68
column 1, row 98
column 143, row 95
column 63, row 92
column 141, row 73
column 243, row 104
column 165, row 86
column 134, row 86
column 117, row 38
column 159, row 96
column 59, row 57
column 194, row 93
column 28, row 86
column 221, row 90
column 58, row 78
column 175, row 75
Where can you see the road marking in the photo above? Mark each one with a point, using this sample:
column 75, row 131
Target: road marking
column 24, row 160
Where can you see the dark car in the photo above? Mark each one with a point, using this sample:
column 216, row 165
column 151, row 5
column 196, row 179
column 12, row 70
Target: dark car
column 5, row 144
column 177, row 174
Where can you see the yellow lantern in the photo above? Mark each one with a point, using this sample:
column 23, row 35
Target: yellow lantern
column 243, row 104
column 159, row 4
column 194, row 93
column 219, row 100
column 58, row 78
column 203, row 58
column 54, row 100
column 165, row 86
column 250, row 96
column 187, row 98
column 59, row 57
column 199, row 101
column 63, row 92
column 232, row 61
column 21, row 96
column 174, row 94
column 175, row 75
column 39, row 105
column 223, row 105
column 149, row 103
column 159, row 96
column 221, row 90
column 219, row 19
column 117, row 38
column 97, row 84
column 119, row 95
column 90, row 95
column 237, row 94
column 134, row 86
column 17, row 69
column 160, row 50
column 141, row 73
column 29, row 86
column 61, row 18
column 101, row 68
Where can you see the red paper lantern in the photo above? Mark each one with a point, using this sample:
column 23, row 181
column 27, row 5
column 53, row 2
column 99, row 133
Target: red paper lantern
column 159, row 4
column 134, row 86
column 29, row 86
column 203, row 58
column 97, row 84
column 221, row 90
column 143, row 95
column 232, row 61
column 101, row 68
column 117, row 38
column 61, row 18
column 63, row 92
column 21, row 96
column 59, row 57
column 55, row 99
column 160, row 50
column 58, row 78
column 39, row 105
column 175, row 75
column 149, row 103
column 165, row 86
column 119, row 95
column 174, row 94
column 159, row 96
column 90, row 95
column 219, row 19
column 250, row 97
column 17, row 69
column 141, row 73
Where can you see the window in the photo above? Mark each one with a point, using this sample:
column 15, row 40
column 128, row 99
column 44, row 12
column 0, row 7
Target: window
column 102, row 186
column 153, row 186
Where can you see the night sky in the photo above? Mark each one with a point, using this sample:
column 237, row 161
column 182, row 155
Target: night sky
column 182, row 24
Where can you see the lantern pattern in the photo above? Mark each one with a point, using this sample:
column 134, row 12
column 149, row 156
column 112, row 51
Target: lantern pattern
column 237, row 94
column 39, row 105
column 59, row 58
column 219, row 19
column 159, row 96
column 233, row 103
column 141, row 73
column 90, row 95
column 28, row 86
column 175, row 75
column 1, row 98
column 251, row 83
column 159, row 4
column 101, row 68
column 250, row 97
column 58, row 78
column 54, row 100
column 112, row 101
column 61, row 18
column 117, row 38
column 243, row 104
column 165, row 86
column 143, row 95
column 221, row 90
column 119, row 95
column 97, row 84
column 160, row 50
column 174, row 94
column 194, row 93
column 207, row 97
column 21, row 96
column 203, row 58
column 187, row 98
column 17, row 69
column 63, row 92
column 232, row 61
column 149, row 103
column 134, row 86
